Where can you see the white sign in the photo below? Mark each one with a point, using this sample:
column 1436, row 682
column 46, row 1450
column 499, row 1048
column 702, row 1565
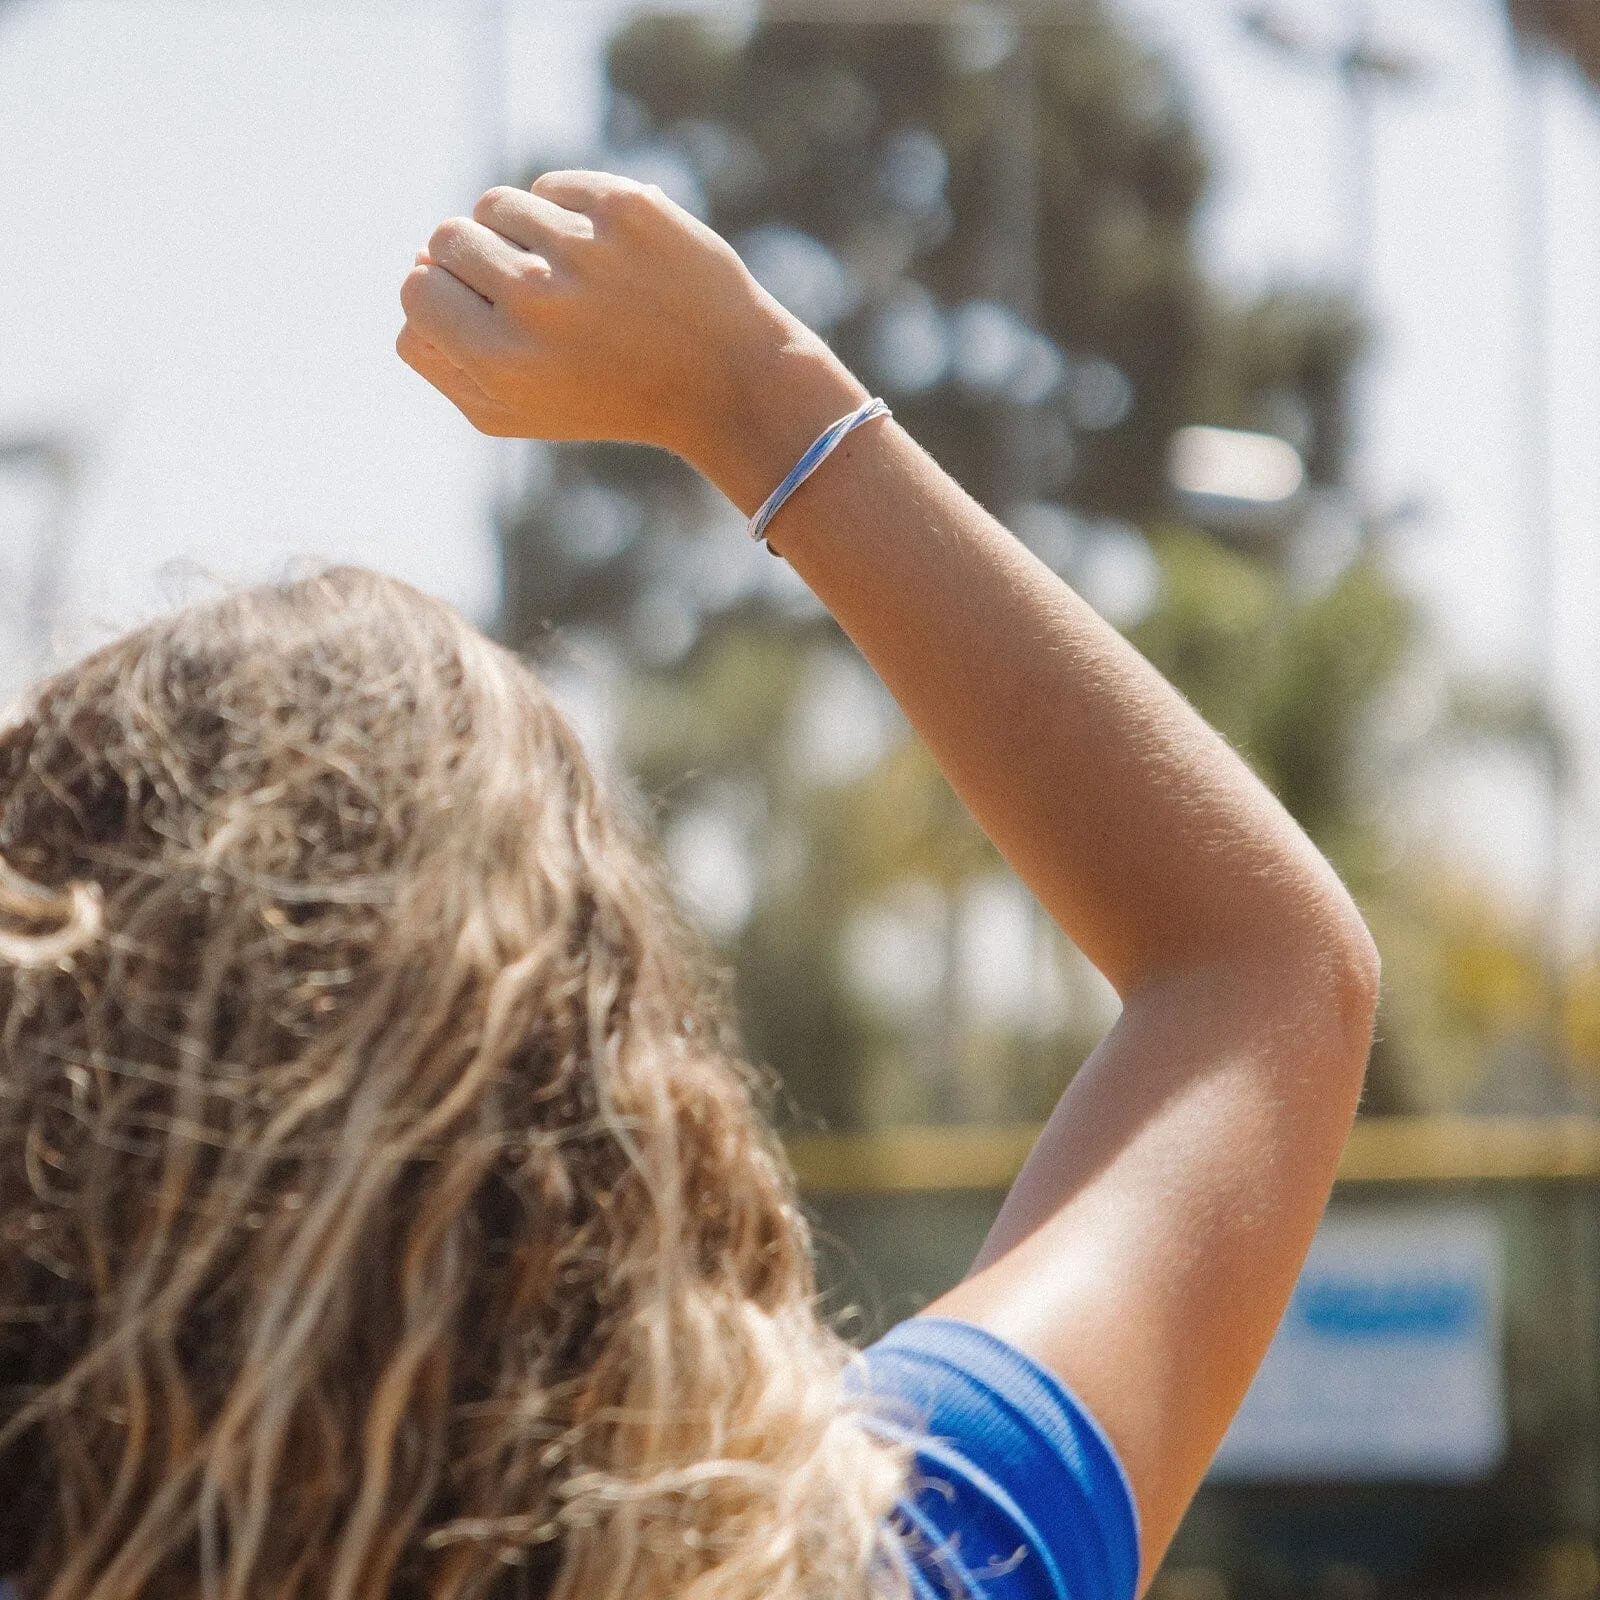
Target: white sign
column 1387, row 1365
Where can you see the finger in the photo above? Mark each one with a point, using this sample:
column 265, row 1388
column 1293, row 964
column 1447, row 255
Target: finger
column 451, row 381
column 531, row 221
column 445, row 311
column 591, row 193
column 433, row 364
column 478, row 256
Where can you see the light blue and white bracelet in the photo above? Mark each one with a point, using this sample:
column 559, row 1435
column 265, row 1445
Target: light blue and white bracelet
column 829, row 441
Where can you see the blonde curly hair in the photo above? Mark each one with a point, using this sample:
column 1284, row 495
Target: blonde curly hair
column 383, row 1209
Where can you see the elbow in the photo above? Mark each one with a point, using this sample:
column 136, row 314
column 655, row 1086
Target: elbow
column 1322, row 967
column 1353, row 976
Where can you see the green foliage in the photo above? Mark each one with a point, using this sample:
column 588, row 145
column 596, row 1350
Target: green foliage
column 1079, row 219
column 1288, row 679
column 998, row 233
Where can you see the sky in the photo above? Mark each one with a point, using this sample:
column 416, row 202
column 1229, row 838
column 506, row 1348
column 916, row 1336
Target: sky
column 211, row 203
column 1448, row 385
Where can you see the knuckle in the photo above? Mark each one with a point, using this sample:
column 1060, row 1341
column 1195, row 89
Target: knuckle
column 563, row 178
column 533, row 272
column 630, row 199
column 412, row 292
column 495, row 202
column 416, row 351
column 639, row 205
column 555, row 187
column 601, row 205
column 448, row 237
column 613, row 198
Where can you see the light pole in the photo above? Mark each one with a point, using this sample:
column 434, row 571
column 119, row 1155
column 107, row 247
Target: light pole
column 1362, row 68
column 1012, row 265
column 1529, row 206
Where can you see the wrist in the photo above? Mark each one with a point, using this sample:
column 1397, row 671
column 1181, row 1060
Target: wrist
column 771, row 405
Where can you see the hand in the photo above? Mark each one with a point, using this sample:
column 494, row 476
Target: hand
column 592, row 307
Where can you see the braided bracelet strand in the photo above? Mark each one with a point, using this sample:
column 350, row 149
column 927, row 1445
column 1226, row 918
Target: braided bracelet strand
column 828, row 441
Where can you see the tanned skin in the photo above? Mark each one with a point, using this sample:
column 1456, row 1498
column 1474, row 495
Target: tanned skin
column 1147, row 1251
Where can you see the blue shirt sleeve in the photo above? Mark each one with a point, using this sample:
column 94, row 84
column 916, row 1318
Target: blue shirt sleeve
column 1016, row 1493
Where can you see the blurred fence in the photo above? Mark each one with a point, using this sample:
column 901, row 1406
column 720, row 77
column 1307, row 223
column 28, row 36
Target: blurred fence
column 1497, row 1403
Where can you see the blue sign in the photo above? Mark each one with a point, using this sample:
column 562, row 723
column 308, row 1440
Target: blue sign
column 1387, row 1365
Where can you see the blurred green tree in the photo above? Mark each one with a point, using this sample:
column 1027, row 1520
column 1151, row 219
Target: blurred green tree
column 995, row 226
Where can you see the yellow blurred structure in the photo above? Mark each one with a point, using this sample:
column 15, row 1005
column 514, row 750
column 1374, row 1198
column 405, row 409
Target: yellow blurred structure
column 1421, row 1149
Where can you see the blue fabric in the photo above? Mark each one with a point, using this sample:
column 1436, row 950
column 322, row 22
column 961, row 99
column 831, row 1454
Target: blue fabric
column 1016, row 1493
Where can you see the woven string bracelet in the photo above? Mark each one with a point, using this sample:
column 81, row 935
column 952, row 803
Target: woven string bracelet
column 829, row 441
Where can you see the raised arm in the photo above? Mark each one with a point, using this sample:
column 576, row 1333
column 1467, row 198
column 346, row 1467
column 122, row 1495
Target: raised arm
column 1148, row 1248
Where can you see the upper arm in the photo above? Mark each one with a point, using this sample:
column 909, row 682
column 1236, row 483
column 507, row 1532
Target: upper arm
column 1148, row 1248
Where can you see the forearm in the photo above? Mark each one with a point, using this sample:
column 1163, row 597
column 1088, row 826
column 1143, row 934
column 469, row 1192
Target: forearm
column 1145, row 837
column 1148, row 1248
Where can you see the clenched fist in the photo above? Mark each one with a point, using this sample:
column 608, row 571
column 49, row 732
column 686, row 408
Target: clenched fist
column 592, row 307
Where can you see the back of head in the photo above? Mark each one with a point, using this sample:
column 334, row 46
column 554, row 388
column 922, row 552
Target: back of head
column 384, row 1212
